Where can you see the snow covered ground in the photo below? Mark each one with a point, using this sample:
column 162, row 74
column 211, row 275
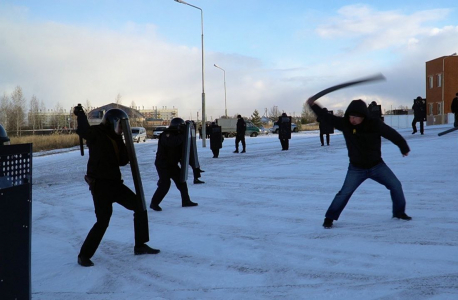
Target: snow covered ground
column 257, row 232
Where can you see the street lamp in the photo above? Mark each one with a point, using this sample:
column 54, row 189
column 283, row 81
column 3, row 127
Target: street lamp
column 225, row 106
column 204, row 134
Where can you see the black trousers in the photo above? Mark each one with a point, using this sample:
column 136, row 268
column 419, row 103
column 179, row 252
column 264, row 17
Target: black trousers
column 166, row 174
column 284, row 144
column 414, row 127
column 104, row 194
column 215, row 152
column 240, row 138
column 322, row 138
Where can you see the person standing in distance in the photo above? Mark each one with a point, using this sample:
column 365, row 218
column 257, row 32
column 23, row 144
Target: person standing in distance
column 363, row 138
column 168, row 156
column 419, row 114
column 107, row 152
column 284, row 131
column 455, row 109
column 240, row 137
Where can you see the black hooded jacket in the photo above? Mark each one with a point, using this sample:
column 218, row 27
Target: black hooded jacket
column 363, row 140
column 107, row 150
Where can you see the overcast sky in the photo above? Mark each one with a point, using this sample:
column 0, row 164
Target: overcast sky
column 275, row 53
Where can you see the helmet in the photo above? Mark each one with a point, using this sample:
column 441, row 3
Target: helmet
column 112, row 120
column 4, row 139
column 176, row 123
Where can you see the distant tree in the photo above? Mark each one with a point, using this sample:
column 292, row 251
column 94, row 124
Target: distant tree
column 118, row 99
column 59, row 117
column 274, row 113
column 34, row 113
column 307, row 115
column 5, row 107
column 256, row 119
column 16, row 116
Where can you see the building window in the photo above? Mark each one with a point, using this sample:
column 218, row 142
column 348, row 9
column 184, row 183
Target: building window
column 439, row 108
column 439, row 80
column 431, row 108
column 431, row 81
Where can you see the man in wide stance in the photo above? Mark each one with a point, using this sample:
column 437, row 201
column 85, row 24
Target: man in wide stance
column 363, row 138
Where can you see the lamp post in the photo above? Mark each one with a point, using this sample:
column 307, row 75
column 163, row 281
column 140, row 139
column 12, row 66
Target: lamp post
column 204, row 134
column 225, row 105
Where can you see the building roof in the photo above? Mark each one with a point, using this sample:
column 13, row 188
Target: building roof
column 132, row 113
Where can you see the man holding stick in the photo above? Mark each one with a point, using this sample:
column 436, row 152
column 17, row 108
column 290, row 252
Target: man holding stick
column 363, row 138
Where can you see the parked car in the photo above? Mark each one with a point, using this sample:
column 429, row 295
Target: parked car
column 274, row 129
column 138, row 134
column 158, row 130
column 263, row 130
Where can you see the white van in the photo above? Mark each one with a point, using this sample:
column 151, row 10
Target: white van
column 138, row 134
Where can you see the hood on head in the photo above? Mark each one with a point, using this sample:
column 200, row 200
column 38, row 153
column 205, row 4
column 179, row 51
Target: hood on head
column 357, row 108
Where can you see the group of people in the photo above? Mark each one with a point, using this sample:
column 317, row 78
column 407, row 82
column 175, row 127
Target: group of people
column 107, row 152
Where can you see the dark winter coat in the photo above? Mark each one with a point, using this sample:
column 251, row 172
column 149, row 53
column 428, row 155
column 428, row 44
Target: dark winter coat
column 325, row 128
column 455, row 105
column 169, row 148
column 363, row 140
column 107, row 150
column 241, row 127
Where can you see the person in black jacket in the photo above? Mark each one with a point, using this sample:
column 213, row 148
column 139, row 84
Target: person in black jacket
column 363, row 138
column 455, row 109
column 168, row 156
column 419, row 114
column 240, row 137
column 325, row 129
column 216, row 139
column 284, row 131
column 107, row 152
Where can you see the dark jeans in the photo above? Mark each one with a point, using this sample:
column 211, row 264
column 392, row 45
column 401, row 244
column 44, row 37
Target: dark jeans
column 166, row 174
column 355, row 176
column 240, row 138
column 104, row 194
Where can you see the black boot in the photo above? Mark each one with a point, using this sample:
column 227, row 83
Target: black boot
column 327, row 223
column 197, row 181
column 402, row 216
column 145, row 249
column 84, row 261
column 188, row 204
column 155, row 207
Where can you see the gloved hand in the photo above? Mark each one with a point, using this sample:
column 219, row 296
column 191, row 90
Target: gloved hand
column 78, row 109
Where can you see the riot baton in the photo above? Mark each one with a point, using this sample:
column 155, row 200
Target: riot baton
column 447, row 131
column 347, row 84
column 133, row 163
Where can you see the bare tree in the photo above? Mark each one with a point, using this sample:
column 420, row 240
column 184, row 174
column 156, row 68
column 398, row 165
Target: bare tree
column 274, row 113
column 118, row 99
column 59, row 118
column 307, row 116
column 17, row 114
column 5, row 107
column 34, row 112
column 41, row 118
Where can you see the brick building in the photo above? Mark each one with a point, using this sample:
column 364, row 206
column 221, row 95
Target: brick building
column 441, row 87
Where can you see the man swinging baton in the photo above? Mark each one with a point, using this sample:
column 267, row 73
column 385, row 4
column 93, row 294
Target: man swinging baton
column 363, row 138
